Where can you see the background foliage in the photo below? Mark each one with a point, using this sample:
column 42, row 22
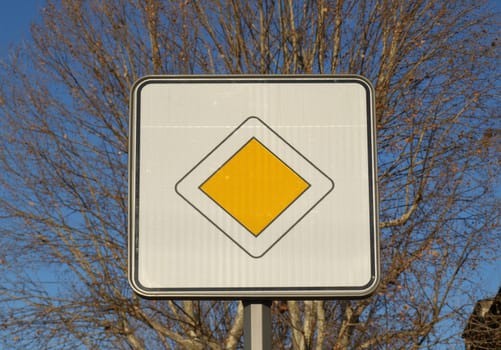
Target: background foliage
column 63, row 158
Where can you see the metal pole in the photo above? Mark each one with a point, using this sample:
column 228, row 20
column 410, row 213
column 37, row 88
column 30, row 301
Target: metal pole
column 257, row 324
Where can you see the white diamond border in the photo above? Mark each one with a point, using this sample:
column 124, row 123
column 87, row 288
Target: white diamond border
column 256, row 246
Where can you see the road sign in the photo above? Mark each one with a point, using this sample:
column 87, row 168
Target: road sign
column 253, row 187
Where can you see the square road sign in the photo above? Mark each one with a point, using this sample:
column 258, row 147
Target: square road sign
column 253, row 187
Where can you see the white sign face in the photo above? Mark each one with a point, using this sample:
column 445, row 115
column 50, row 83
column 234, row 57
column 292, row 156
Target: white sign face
column 253, row 187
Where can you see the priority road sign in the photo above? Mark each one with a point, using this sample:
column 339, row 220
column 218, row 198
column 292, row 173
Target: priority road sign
column 253, row 187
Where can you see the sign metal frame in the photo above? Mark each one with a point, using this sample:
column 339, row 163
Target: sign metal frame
column 254, row 292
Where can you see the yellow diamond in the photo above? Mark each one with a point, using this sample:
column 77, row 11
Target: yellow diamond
column 254, row 186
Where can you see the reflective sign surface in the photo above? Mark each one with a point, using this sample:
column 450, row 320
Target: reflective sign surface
column 252, row 187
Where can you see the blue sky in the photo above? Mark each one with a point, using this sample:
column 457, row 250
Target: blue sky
column 16, row 17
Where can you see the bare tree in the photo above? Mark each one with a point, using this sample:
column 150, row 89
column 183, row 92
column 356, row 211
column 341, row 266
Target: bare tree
column 64, row 132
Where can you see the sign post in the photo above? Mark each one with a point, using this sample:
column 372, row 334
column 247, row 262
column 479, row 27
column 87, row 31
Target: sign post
column 253, row 188
column 257, row 324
